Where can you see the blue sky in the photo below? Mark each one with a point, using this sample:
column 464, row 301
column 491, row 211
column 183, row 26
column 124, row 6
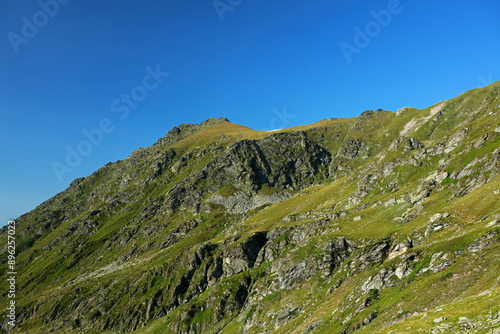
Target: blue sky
column 101, row 66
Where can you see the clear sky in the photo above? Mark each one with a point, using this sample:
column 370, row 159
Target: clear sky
column 124, row 72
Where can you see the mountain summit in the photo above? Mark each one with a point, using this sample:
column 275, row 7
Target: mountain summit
column 386, row 222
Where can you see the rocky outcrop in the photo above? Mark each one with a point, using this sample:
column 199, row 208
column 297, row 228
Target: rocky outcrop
column 217, row 228
column 406, row 144
column 483, row 241
column 178, row 233
column 242, row 256
column 379, row 281
column 371, row 254
column 351, row 148
column 283, row 161
column 241, row 203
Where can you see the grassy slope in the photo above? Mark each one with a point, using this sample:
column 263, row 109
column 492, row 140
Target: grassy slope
column 455, row 289
column 469, row 212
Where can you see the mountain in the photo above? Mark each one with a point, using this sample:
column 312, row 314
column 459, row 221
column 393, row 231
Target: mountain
column 382, row 223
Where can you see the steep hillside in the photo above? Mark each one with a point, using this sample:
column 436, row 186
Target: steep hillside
column 383, row 223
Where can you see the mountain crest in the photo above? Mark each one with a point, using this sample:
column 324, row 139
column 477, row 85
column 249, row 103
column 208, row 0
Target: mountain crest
column 378, row 223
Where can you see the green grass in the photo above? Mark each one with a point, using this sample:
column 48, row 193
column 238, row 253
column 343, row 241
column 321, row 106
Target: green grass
column 52, row 260
column 272, row 297
column 228, row 190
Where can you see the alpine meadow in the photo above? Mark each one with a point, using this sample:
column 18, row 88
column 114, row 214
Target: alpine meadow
column 388, row 222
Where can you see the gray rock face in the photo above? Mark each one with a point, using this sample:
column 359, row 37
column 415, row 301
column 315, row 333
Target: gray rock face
column 465, row 323
column 436, row 227
column 455, row 140
column 402, row 271
column 288, row 272
column 438, row 216
column 340, row 249
column 351, row 148
column 170, row 231
column 406, row 144
column 449, row 144
column 379, row 281
column 284, row 161
column 240, row 203
column 483, row 241
column 242, row 256
column 314, row 325
column 422, row 192
column 372, row 253
column 178, row 233
column 400, row 249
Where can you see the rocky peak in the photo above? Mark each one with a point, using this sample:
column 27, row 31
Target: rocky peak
column 373, row 224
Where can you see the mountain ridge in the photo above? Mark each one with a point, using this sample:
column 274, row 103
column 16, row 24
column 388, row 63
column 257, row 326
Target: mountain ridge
column 219, row 228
